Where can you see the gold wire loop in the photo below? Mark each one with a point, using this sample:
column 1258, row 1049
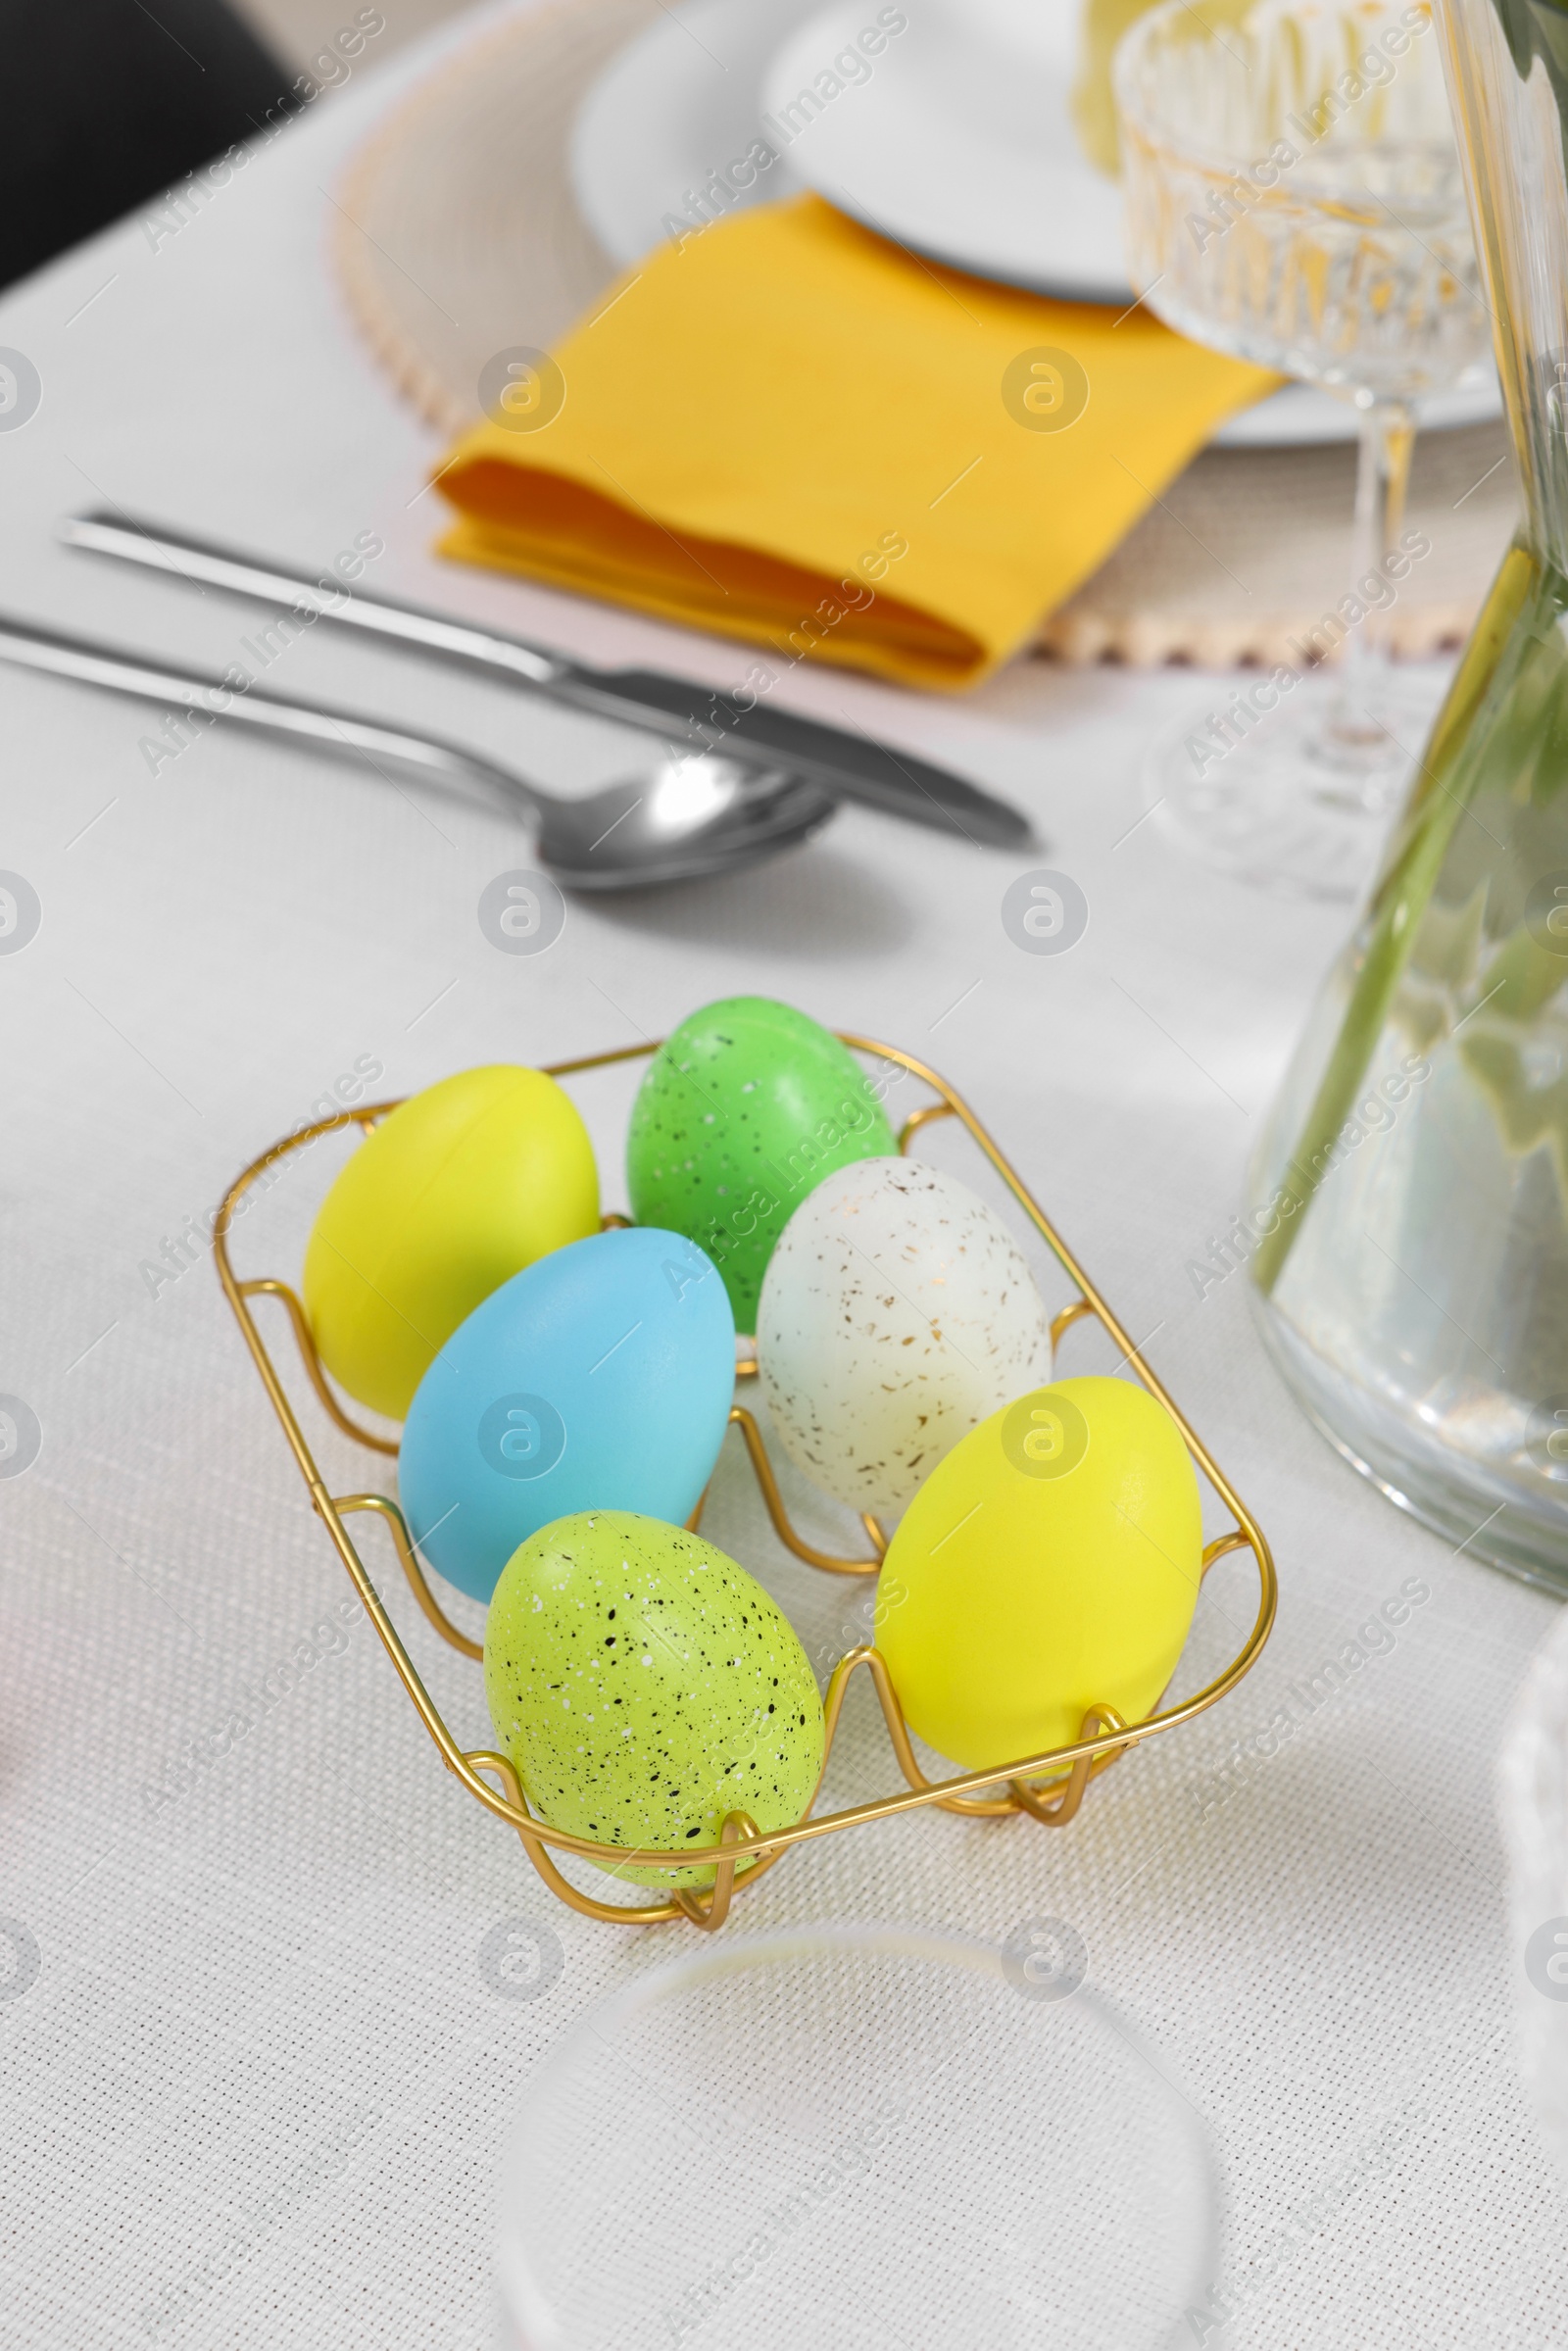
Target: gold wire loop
column 1022, row 1797
column 763, row 1469
column 1058, row 1810
column 1234, row 1541
column 739, row 1829
column 407, row 1559
column 313, row 1364
column 877, row 1665
column 1079, row 1311
column 921, row 1118
column 644, row 1914
column 1048, row 1786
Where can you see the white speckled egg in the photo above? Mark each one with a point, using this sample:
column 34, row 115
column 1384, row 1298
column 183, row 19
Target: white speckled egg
column 897, row 1314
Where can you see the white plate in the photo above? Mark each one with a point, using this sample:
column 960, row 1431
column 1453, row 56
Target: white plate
column 961, row 149
column 674, row 105
column 951, row 146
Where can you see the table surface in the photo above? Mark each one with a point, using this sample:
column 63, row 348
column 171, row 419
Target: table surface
column 258, row 2088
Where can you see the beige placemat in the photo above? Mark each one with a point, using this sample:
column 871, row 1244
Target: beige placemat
column 458, row 236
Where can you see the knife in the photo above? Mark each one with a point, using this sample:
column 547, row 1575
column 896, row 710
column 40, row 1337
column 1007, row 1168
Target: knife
column 852, row 766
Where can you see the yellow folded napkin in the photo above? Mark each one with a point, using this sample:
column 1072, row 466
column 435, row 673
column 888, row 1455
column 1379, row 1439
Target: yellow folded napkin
column 791, row 430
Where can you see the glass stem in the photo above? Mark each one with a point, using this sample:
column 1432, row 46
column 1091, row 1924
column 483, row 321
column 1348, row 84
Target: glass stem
column 1383, row 476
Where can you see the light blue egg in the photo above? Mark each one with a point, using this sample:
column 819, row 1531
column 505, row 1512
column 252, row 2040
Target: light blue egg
column 600, row 1378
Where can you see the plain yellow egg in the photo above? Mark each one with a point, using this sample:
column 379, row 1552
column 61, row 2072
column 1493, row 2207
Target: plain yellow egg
column 1048, row 1564
column 458, row 1189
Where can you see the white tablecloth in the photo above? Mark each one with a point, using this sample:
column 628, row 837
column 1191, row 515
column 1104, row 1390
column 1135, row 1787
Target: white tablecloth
column 255, row 2079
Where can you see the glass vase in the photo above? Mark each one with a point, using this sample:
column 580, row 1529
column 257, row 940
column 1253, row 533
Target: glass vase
column 1407, row 1209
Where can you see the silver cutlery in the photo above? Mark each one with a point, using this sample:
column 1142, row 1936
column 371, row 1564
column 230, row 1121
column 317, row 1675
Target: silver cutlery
column 683, row 817
column 850, row 766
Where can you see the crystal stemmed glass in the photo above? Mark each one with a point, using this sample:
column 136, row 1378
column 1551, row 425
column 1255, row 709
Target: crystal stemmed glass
column 1294, row 197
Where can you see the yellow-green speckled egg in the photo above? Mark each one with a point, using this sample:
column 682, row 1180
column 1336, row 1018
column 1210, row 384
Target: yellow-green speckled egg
column 644, row 1686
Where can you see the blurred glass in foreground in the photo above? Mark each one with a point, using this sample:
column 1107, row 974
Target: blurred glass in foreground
column 855, row 2134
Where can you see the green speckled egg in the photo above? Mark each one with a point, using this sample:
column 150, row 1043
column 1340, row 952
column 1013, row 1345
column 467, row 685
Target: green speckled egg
column 742, row 1113
column 645, row 1685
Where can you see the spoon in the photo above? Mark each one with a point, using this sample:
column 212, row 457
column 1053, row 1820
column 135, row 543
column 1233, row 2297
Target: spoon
column 852, row 766
column 691, row 815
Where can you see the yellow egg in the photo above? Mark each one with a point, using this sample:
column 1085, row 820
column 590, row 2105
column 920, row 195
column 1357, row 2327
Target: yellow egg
column 460, row 1187
column 1050, row 1563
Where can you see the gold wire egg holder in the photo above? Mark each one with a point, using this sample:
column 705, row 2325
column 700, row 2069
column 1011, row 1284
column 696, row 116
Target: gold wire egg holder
column 1048, row 1788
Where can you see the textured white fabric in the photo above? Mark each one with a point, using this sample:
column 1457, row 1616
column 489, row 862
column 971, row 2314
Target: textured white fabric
column 255, row 2065
column 1533, row 1806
